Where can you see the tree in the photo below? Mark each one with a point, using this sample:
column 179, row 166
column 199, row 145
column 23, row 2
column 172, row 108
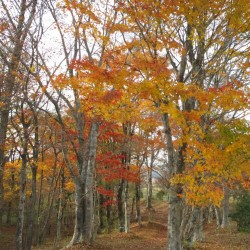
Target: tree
column 14, row 31
column 185, row 52
column 89, row 81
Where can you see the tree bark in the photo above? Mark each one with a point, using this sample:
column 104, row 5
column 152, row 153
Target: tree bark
column 149, row 188
column 195, row 227
column 31, row 215
column 40, row 198
column 218, row 216
column 21, row 206
column 210, row 214
column 60, row 209
column 138, row 202
column 120, row 206
column 22, row 28
column 127, row 208
column 89, row 220
column 175, row 202
column 78, row 236
column 225, row 207
column 174, row 220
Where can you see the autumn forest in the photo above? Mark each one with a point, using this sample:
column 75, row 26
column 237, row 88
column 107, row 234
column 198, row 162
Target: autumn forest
column 116, row 114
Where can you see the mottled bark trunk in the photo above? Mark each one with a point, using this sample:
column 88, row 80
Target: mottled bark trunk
column 174, row 220
column 78, row 236
column 149, row 194
column 149, row 189
column 218, row 216
column 33, row 166
column 185, row 220
column 210, row 214
column 120, row 206
column 40, row 198
column 59, row 218
column 60, row 209
column 138, row 202
column 3, row 129
column 89, row 221
column 195, row 227
column 31, row 214
column 175, row 202
column 127, row 208
column 22, row 28
column 21, row 206
column 225, row 207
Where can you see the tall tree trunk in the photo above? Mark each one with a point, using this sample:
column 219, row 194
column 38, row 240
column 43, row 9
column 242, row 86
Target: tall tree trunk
column 210, row 214
column 174, row 191
column 78, row 236
column 127, row 207
column 187, row 210
column 149, row 188
column 174, row 220
column 40, row 198
column 120, row 206
column 3, row 130
column 149, row 193
column 89, row 220
column 31, row 214
column 225, row 207
column 21, row 206
column 60, row 209
column 22, row 28
column 218, row 216
column 101, row 213
column 195, row 226
column 138, row 202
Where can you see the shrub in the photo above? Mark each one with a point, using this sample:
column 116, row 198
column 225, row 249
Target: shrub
column 160, row 195
column 241, row 213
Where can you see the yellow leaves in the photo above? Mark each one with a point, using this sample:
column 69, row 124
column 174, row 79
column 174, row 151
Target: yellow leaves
column 32, row 69
column 118, row 27
column 209, row 165
column 134, row 168
column 70, row 187
column 2, row 104
column 82, row 8
column 44, row 89
column 13, row 166
column 238, row 15
column 11, row 180
column 199, row 190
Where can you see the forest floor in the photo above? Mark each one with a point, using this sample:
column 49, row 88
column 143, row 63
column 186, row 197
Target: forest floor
column 151, row 236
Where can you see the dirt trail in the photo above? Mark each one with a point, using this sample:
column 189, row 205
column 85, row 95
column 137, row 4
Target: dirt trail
column 151, row 236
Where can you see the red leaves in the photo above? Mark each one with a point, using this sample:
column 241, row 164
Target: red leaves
column 105, row 192
column 226, row 87
column 110, row 168
column 112, row 95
